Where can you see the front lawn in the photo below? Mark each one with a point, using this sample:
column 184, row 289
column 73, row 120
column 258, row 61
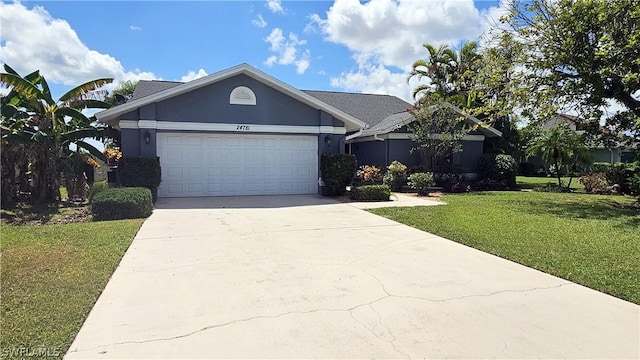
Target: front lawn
column 51, row 277
column 592, row 240
column 530, row 182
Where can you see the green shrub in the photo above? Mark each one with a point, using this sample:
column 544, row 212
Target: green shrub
column 370, row 174
column 499, row 167
column 96, row 188
column 417, row 169
column 599, row 167
column 595, row 183
column 337, row 172
column 139, row 171
column 396, row 176
column 122, row 203
column 371, row 193
column 421, row 182
column 620, row 174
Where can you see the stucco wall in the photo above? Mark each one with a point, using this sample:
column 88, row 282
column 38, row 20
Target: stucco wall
column 468, row 158
column 210, row 104
column 370, row 153
column 400, row 150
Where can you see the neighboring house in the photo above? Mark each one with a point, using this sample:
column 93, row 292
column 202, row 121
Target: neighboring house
column 242, row 132
column 599, row 152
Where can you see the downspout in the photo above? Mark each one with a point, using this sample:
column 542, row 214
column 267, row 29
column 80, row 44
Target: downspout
column 354, row 135
column 375, row 137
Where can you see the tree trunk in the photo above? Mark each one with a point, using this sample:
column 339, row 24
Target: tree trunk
column 558, row 172
column 45, row 183
column 11, row 157
column 76, row 186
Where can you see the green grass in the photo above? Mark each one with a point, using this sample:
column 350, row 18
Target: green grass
column 51, row 277
column 529, row 182
column 592, row 240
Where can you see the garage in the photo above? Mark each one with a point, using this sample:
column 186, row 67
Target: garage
column 208, row 164
column 235, row 132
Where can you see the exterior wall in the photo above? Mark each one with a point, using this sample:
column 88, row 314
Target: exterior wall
column 210, row 104
column 370, row 153
column 605, row 155
column 469, row 156
column 401, row 150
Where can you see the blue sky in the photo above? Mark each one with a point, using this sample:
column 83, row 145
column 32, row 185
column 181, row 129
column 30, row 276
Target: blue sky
column 342, row 45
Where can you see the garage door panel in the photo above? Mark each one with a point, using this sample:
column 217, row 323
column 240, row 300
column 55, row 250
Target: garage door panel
column 237, row 164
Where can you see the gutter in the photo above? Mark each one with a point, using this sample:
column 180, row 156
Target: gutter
column 354, row 135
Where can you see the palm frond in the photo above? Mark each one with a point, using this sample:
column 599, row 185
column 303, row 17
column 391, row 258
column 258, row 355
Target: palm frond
column 92, row 150
column 74, row 114
column 83, row 89
column 91, row 104
column 21, row 86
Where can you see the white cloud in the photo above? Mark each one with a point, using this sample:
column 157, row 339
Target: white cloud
column 375, row 79
column 259, row 22
column 192, row 75
column 395, row 30
column 386, row 37
column 135, row 28
column 286, row 51
column 33, row 40
column 275, row 6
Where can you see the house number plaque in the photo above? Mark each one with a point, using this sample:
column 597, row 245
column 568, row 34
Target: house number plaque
column 243, row 127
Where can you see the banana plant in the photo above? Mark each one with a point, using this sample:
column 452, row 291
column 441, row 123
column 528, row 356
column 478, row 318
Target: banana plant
column 49, row 127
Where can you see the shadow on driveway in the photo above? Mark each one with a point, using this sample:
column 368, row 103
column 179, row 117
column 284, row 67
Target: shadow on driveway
column 243, row 202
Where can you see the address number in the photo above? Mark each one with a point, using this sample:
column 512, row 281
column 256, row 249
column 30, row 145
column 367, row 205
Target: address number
column 243, row 127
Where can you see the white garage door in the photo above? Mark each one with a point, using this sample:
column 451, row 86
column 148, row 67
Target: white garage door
column 230, row 164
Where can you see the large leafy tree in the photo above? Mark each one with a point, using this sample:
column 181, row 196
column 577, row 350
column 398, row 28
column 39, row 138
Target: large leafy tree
column 549, row 56
column 51, row 131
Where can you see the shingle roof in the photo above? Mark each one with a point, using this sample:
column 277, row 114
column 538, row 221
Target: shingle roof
column 150, row 87
column 370, row 108
column 389, row 124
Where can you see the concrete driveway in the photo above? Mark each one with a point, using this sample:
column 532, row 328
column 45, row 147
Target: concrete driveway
column 307, row 277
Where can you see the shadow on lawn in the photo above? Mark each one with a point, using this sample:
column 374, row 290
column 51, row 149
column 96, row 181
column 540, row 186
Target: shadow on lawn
column 600, row 209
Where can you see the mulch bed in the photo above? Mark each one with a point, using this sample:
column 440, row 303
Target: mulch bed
column 64, row 213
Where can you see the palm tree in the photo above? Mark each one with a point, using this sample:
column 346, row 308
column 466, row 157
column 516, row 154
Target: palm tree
column 47, row 127
column 560, row 146
column 450, row 72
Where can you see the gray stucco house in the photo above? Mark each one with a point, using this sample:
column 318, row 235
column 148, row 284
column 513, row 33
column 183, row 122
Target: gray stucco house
column 241, row 131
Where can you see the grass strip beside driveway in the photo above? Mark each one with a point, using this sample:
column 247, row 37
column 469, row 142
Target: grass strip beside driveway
column 592, row 240
column 51, row 277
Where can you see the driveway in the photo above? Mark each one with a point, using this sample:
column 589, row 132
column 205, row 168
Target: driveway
column 307, row 277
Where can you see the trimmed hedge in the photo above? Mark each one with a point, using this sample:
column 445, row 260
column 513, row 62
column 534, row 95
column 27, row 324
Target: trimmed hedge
column 97, row 187
column 337, row 172
column 140, row 171
column 122, row 203
column 498, row 167
column 371, row 193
